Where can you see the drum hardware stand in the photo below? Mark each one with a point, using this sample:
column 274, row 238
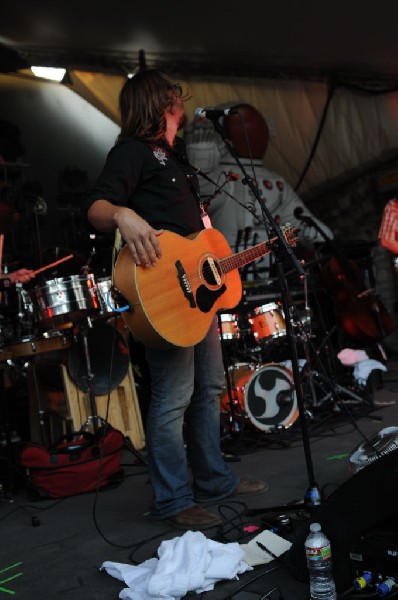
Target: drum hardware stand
column 40, row 411
column 312, row 497
column 39, row 208
column 7, row 436
column 86, row 267
column 227, row 365
column 25, row 326
column 94, row 419
column 331, row 392
column 314, row 380
column 311, row 377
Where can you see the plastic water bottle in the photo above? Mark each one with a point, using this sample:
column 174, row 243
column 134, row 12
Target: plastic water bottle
column 319, row 562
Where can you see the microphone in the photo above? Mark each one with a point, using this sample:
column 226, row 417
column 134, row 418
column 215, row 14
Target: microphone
column 214, row 113
column 298, row 211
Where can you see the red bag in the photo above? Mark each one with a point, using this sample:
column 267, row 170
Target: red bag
column 74, row 464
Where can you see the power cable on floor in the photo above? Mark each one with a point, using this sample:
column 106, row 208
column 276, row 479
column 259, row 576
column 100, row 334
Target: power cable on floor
column 252, row 580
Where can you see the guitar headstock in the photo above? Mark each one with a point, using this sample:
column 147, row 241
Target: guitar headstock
column 290, row 235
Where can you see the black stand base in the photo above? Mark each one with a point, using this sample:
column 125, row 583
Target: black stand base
column 312, row 500
column 130, row 446
column 127, row 442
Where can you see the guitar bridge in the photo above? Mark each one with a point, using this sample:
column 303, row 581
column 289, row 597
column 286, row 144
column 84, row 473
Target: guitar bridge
column 184, row 283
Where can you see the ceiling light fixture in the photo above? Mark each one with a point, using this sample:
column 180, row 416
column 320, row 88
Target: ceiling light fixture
column 52, row 73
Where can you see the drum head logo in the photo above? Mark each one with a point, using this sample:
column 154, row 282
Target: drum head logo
column 270, row 399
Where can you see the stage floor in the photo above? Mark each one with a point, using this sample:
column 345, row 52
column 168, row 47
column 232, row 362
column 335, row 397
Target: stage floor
column 52, row 549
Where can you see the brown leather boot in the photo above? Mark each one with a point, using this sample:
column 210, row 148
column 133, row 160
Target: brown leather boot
column 250, row 487
column 194, row 517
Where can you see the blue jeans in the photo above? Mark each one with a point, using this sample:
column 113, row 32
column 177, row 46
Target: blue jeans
column 185, row 389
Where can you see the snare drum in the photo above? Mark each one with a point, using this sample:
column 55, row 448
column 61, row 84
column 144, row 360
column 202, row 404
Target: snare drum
column 64, row 300
column 267, row 323
column 229, row 327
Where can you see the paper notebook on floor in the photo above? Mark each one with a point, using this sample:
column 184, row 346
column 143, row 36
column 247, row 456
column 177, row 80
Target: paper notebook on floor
column 255, row 555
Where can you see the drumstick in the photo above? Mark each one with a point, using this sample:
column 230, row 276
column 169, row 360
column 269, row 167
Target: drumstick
column 57, row 262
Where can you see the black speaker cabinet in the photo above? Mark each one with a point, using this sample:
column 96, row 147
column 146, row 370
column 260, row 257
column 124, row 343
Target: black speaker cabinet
column 355, row 508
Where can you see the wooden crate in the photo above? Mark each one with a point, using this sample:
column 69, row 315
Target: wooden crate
column 124, row 410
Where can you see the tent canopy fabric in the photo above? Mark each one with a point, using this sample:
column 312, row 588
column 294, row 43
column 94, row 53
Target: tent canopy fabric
column 357, row 128
column 324, row 76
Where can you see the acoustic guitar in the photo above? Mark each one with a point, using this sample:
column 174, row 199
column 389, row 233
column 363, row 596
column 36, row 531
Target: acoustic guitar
column 174, row 302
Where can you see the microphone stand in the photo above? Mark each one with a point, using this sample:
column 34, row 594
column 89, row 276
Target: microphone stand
column 312, row 496
column 217, row 191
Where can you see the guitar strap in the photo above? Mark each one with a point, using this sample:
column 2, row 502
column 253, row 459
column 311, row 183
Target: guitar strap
column 181, row 158
column 117, row 246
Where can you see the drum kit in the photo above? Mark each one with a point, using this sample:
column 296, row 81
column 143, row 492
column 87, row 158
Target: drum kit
column 259, row 392
column 71, row 313
column 67, row 313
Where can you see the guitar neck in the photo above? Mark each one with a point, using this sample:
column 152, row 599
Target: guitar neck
column 245, row 257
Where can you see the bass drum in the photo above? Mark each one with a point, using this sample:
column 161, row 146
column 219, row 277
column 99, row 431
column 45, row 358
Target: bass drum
column 106, row 348
column 270, row 398
column 239, row 375
column 263, row 396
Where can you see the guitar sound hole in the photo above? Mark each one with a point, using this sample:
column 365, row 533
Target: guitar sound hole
column 211, row 272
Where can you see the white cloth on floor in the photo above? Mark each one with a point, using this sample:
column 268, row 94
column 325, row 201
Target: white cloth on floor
column 190, row 563
column 365, row 367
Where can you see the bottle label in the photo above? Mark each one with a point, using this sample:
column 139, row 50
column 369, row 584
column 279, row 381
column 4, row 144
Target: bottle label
column 318, row 554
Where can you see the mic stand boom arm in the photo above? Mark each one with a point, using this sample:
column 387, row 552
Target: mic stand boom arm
column 279, row 247
column 273, row 230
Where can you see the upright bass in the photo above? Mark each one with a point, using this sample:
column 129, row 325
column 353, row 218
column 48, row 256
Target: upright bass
column 360, row 312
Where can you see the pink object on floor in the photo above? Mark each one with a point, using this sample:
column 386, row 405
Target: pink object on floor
column 349, row 357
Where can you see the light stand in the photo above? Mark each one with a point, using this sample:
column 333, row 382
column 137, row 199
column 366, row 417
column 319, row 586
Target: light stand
column 280, row 247
column 227, row 369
